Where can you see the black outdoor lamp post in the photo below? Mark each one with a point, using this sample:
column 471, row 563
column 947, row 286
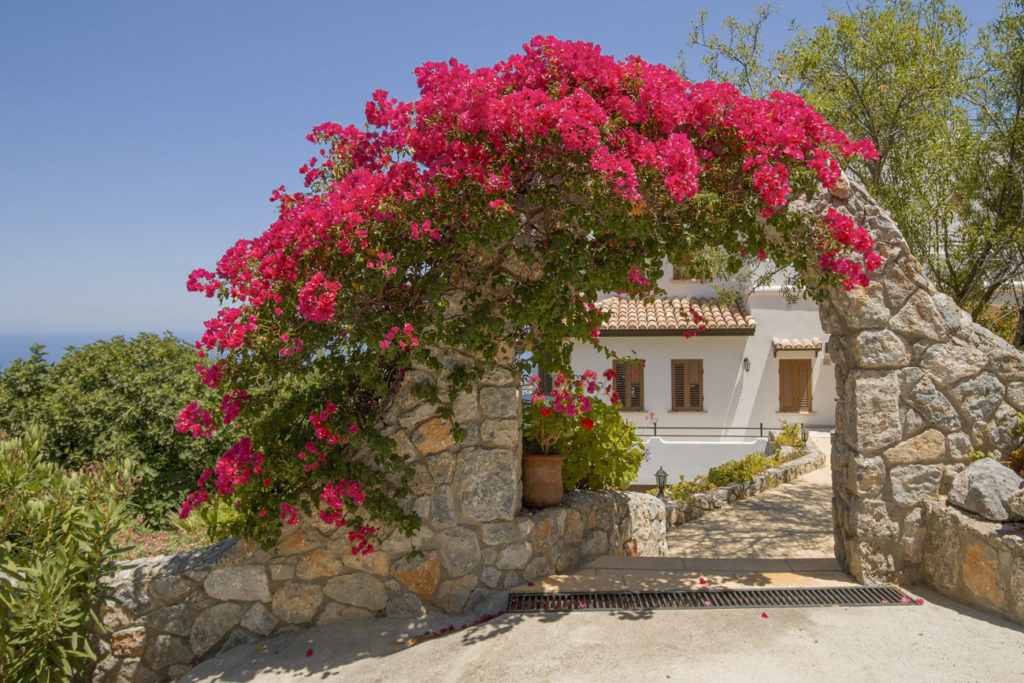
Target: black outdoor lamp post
column 661, row 476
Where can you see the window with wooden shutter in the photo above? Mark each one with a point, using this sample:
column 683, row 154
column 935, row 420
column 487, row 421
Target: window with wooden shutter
column 629, row 383
column 795, row 385
column 687, row 385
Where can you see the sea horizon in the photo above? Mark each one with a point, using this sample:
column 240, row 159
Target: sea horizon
column 17, row 345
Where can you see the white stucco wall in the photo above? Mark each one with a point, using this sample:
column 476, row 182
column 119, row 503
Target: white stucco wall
column 732, row 397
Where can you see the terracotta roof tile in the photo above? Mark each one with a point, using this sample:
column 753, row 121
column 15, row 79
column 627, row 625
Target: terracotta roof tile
column 665, row 315
column 796, row 344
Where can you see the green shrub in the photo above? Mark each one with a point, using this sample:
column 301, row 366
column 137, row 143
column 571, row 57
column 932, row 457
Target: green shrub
column 608, row 456
column 685, row 491
column 791, row 434
column 117, row 399
column 734, row 471
column 57, row 532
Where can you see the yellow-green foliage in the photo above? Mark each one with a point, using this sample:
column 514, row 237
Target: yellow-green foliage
column 727, row 473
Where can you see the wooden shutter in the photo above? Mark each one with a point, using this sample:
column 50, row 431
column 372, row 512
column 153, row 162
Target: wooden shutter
column 629, row 384
column 795, row 385
column 687, row 385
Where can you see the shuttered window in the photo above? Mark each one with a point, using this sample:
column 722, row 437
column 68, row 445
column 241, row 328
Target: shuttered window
column 629, row 383
column 687, row 385
column 795, row 385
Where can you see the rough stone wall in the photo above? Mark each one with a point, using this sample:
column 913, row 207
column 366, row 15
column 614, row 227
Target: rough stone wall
column 476, row 542
column 976, row 561
column 919, row 385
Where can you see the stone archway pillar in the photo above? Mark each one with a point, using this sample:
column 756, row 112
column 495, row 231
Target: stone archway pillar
column 919, row 387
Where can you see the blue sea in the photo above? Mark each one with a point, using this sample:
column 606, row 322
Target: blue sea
column 17, row 345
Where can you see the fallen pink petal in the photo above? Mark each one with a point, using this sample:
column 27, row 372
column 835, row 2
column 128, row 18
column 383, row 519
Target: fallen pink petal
column 764, row 615
column 309, row 653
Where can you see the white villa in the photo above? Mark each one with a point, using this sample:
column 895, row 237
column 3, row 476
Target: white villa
column 713, row 397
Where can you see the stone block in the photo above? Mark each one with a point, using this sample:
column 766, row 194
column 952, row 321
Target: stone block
column 405, row 605
column 1007, row 363
column 173, row 619
column 876, row 418
column 595, row 543
column 490, row 484
column 451, row 596
column 128, row 642
column 490, row 576
column 1015, row 395
column 459, row 551
column 500, row 402
column 871, row 519
column 928, row 447
column 442, row 509
column 880, row 349
column 293, row 543
column 864, row 308
column 420, row 575
column 933, row 406
column 514, row 556
column 914, row 484
column 866, row 477
column 984, row 487
column 441, row 467
column 170, row 588
column 333, row 612
column 259, row 620
column 114, row 617
column 919, row 317
column 166, row 651
column 500, row 433
column 296, row 602
column 498, row 533
column 212, row 624
column 359, row 590
column 954, row 362
column 981, row 574
column 433, row 436
column 377, row 563
column 238, row 582
column 979, row 397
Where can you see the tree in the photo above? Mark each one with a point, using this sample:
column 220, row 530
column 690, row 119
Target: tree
column 114, row 399
column 485, row 216
column 904, row 75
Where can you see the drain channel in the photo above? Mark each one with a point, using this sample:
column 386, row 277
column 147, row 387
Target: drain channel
column 724, row 598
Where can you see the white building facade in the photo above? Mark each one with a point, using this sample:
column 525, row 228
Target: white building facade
column 702, row 400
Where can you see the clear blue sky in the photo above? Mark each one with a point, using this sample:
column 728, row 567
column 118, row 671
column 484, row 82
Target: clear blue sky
column 139, row 140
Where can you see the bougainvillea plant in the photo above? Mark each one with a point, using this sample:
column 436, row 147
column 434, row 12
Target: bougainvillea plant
column 486, row 215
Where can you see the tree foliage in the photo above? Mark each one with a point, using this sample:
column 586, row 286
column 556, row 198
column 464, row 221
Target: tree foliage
column 483, row 217
column 942, row 111
column 114, row 399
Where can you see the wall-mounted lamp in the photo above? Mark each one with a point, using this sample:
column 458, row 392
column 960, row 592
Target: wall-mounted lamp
column 661, row 476
column 746, row 365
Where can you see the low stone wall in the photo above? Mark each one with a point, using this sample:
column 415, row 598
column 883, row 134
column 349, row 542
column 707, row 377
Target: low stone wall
column 975, row 561
column 169, row 612
column 703, row 503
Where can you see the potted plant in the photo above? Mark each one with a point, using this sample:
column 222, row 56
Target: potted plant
column 547, row 421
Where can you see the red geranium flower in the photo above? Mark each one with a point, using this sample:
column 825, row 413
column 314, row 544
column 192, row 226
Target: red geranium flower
column 587, row 423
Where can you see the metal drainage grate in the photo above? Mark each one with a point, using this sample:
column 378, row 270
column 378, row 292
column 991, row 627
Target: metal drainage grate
column 723, row 598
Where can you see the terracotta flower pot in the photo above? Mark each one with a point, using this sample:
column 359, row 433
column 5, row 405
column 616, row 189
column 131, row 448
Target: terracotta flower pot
column 542, row 480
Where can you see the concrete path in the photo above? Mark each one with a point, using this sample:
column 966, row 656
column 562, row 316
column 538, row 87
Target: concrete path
column 792, row 520
column 936, row 641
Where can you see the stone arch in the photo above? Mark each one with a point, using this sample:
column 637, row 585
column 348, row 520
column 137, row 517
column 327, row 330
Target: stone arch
column 919, row 386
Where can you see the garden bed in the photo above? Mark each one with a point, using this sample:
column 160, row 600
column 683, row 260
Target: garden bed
column 679, row 513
